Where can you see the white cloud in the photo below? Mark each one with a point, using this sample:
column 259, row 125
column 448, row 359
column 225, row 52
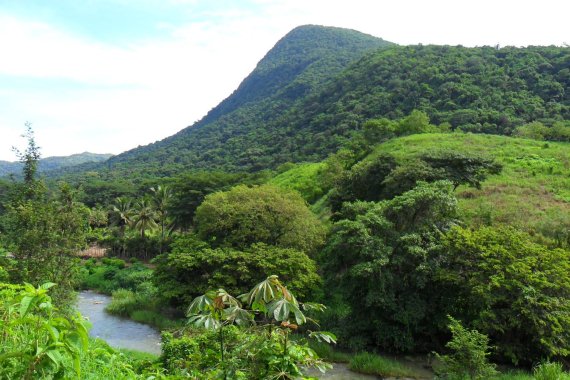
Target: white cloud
column 129, row 95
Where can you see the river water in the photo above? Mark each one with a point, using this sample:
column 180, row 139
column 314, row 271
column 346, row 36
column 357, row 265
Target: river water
column 124, row 333
column 117, row 332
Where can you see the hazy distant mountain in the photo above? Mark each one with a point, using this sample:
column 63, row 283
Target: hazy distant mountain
column 53, row 163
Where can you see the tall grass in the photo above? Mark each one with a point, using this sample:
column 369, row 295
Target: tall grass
column 377, row 365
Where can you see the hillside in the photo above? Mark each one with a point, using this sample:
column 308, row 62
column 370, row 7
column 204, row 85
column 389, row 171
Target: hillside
column 318, row 85
column 54, row 163
column 478, row 89
column 296, row 67
column 532, row 192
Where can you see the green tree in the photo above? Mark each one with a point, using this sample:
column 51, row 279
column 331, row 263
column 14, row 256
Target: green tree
column 379, row 265
column 144, row 217
column 192, row 268
column 267, row 214
column 161, row 198
column 44, row 233
column 415, row 122
column 460, row 168
column 513, row 290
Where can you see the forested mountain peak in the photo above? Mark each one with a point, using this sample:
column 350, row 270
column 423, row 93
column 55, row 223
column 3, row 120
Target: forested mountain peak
column 295, row 67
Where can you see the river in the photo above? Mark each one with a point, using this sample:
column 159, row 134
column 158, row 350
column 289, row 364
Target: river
column 118, row 332
column 124, row 333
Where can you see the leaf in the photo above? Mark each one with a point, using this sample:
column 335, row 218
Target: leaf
column 201, row 303
column 47, row 285
column 55, row 357
column 204, row 321
column 26, row 304
column 323, row 336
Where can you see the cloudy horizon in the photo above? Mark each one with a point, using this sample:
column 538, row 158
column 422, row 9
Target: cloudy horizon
column 107, row 76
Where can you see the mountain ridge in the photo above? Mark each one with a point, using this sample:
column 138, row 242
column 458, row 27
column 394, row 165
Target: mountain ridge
column 54, row 162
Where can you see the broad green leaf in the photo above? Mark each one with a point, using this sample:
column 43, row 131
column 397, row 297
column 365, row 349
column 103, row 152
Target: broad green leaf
column 200, row 303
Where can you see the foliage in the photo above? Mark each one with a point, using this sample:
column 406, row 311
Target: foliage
column 380, row 176
column 263, row 214
column 379, row 263
column 36, row 340
column 110, row 274
column 190, row 189
column 193, row 267
column 44, row 232
column 468, row 357
column 549, row 371
column 513, row 290
column 460, row 168
column 277, row 356
column 532, row 192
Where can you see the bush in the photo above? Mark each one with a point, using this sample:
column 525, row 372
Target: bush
column 468, row 357
column 489, row 268
column 265, row 214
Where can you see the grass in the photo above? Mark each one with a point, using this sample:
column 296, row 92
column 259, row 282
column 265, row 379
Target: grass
column 328, row 353
column 140, row 307
column 303, row 178
column 532, row 192
column 373, row 364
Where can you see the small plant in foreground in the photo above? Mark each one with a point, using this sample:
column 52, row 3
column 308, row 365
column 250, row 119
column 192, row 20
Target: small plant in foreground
column 468, row 358
column 277, row 356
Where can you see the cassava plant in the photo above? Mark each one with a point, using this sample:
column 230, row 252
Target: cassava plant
column 275, row 313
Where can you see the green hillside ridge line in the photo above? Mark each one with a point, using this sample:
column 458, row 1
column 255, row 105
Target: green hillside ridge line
column 318, row 85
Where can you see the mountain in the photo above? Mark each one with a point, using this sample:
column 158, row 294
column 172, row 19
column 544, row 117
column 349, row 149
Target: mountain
column 296, row 67
column 54, row 163
column 317, row 86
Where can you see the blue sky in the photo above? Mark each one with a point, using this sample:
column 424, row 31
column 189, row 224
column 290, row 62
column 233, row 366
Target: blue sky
column 108, row 75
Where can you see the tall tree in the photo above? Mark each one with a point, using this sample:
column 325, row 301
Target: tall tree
column 144, row 217
column 161, row 199
column 45, row 233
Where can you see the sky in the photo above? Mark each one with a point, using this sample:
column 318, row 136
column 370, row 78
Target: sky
column 106, row 76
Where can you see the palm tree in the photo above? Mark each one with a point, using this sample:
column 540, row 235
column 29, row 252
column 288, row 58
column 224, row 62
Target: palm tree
column 161, row 200
column 121, row 217
column 144, row 217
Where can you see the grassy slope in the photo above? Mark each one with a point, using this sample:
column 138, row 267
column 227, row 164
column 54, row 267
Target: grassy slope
column 532, row 192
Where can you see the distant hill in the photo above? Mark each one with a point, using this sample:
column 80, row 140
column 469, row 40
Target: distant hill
column 54, row 163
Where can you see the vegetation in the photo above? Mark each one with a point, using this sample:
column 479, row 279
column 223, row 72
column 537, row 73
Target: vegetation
column 377, row 200
column 469, row 357
column 192, row 268
column 377, row 365
column 243, row 216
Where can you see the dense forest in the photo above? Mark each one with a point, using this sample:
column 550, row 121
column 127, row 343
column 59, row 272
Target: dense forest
column 319, row 105
column 352, row 201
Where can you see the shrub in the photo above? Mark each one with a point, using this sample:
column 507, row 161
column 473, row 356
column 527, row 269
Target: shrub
column 468, row 357
column 489, row 268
